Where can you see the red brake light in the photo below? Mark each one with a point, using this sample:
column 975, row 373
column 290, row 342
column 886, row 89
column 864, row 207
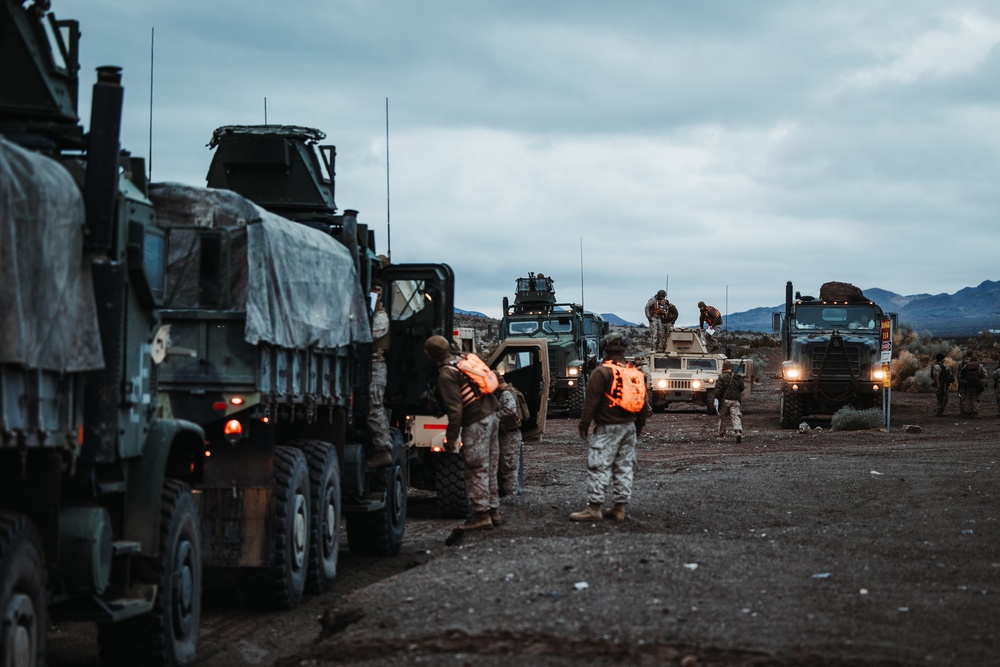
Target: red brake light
column 233, row 427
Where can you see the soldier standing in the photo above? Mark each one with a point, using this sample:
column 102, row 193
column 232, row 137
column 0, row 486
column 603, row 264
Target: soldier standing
column 655, row 311
column 378, row 421
column 971, row 384
column 473, row 415
column 511, row 413
column 711, row 317
column 729, row 396
column 619, row 416
column 940, row 379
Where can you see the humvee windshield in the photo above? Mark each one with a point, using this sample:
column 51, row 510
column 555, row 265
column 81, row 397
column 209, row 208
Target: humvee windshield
column 852, row 317
column 702, row 364
column 667, row 363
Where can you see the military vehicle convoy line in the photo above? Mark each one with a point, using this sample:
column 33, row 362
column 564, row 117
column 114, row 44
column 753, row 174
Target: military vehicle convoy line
column 832, row 352
column 97, row 517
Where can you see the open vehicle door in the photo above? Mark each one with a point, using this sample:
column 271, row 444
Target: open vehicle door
column 524, row 363
column 420, row 299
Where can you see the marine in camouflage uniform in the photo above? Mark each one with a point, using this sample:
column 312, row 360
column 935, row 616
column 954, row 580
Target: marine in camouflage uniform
column 730, row 399
column 971, row 384
column 378, row 421
column 655, row 309
column 939, row 375
column 611, row 446
column 477, row 423
column 510, row 439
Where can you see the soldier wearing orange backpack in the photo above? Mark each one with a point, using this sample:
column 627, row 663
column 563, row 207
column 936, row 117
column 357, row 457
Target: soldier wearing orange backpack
column 472, row 414
column 616, row 403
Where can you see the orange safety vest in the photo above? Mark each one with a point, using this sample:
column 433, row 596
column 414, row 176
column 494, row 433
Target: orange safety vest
column 628, row 387
column 481, row 378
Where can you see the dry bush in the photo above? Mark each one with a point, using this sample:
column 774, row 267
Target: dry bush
column 904, row 368
column 849, row 418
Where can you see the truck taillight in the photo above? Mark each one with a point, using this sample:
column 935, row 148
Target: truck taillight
column 233, row 427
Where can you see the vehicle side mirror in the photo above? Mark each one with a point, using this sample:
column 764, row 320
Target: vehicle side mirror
column 776, row 321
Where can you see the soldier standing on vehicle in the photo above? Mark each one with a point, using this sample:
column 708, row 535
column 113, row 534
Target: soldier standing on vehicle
column 728, row 400
column 378, row 421
column 971, row 385
column 473, row 416
column 940, row 379
column 711, row 317
column 616, row 403
column 513, row 411
column 656, row 314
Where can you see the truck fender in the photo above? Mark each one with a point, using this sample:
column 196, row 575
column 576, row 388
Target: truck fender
column 173, row 443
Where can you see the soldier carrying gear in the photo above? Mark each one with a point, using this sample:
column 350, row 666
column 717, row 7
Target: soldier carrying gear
column 661, row 315
column 378, row 421
column 513, row 412
column 711, row 317
column 729, row 396
column 971, row 384
column 611, row 453
column 478, row 424
column 941, row 379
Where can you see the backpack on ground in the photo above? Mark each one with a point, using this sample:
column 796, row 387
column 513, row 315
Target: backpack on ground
column 628, row 387
column 480, row 378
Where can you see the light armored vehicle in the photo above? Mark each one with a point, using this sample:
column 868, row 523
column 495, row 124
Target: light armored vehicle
column 573, row 336
column 832, row 352
column 686, row 371
column 97, row 518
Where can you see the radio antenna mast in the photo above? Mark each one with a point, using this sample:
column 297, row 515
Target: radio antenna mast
column 265, row 110
column 152, row 40
column 388, row 220
column 581, row 272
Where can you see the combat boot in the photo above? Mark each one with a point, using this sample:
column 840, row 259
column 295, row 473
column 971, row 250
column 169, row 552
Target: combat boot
column 495, row 516
column 616, row 513
column 592, row 513
column 478, row 521
column 739, row 437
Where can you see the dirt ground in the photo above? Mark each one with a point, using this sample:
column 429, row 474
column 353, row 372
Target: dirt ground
column 817, row 548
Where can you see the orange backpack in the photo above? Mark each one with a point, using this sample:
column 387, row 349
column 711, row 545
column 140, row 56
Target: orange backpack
column 628, row 387
column 481, row 379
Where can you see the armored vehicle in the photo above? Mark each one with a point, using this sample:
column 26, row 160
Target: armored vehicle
column 573, row 337
column 268, row 295
column 832, row 352
column 685, row 372
column 97, row 519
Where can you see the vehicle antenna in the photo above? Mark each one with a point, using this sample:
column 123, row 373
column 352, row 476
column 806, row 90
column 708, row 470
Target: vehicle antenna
column 581, row 272
column 666, row 285
column 152, row 39
column 265, row 110
column 388, row 222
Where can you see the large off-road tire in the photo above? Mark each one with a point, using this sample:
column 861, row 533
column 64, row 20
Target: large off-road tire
column 449, row 483
column 380, row 533
column 710, row 404
column 168, row 635
column 576, row 398
column 324, row 521
column 281, row 585
column 23, row 624
column 791, row 410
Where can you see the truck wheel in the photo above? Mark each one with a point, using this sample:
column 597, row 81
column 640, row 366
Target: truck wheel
column 281, row 585
column 791, row 410
column 380, row 533
column 449, row 482
column 324, row 522
column 23, row 625
column 168, row 635
column 710, row 405
column 576, row 398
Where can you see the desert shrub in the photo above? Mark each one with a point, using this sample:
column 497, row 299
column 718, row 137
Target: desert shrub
column 903, row 368
column 851, row 419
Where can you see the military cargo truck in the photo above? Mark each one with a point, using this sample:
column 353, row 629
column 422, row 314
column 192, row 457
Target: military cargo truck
column 97, row 519
column 573, row 336
column 275, row 317
column 686, row 372
column 832, row 352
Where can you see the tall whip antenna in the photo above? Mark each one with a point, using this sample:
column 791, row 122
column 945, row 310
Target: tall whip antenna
column 388, row 221
column 581, row 272
column 152, row 40
column 265, row 110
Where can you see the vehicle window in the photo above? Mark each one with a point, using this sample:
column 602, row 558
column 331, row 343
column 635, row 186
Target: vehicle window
column 522, row 328
column 702, row 364
column 666, row 363
column 562, row 325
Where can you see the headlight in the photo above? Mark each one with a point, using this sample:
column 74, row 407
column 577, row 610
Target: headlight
column 877, row 373
column 573, row 371
column 662, row 384
column 791, row 373
column 709, row 380
column 696, row 384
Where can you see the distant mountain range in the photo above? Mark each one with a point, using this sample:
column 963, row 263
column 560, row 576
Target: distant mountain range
column 967, row 312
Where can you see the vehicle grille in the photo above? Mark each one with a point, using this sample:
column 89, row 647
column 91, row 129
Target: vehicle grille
column 678, row 384
column 837, row 364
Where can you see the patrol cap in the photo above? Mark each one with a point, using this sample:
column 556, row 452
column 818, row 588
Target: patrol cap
column 616, row 341
column 727, row 366
column 437, row 348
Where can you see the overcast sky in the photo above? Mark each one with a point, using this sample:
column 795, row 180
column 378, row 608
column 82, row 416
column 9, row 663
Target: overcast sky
column 718, row 149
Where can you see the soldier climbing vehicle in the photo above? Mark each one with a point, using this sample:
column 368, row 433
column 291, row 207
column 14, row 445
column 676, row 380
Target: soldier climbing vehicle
column 686, row 372
column 97, row 518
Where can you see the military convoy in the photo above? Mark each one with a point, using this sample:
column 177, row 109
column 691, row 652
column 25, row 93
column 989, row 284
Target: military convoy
column 97, row 517
column 686, row 372
column 573, row 336
column 831, row 347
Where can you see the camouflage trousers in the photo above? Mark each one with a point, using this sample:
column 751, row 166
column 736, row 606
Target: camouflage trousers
column 510, row 461
column 610, row 460
column 730, row 410
column 378, row 421
column 481, row 452
column 658, row 334
column 942, row 399
column 968, row 403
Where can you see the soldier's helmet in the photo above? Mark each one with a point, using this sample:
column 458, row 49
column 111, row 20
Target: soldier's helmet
column 615, row 341
column 661, row 294
column 701, row 304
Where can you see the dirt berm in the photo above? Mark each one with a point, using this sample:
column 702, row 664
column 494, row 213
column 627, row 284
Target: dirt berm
column 815, row 548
